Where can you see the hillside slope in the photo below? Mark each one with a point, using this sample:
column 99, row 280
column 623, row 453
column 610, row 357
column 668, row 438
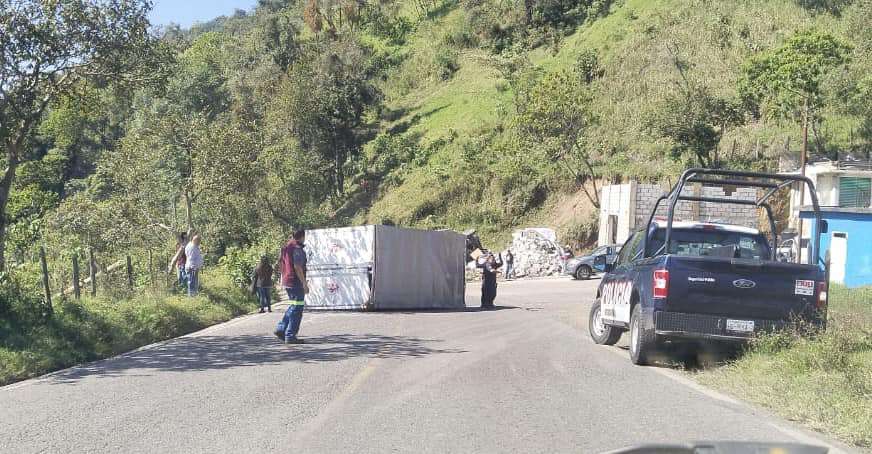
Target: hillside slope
column 459, row 173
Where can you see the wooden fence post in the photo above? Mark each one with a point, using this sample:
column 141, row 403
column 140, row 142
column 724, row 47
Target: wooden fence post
column 45, row 277
column 150, row 269
column 129, row 274
column 77, row 292
column 93, row 271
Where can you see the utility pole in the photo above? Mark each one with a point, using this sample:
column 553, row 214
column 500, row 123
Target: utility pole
column 803, row 160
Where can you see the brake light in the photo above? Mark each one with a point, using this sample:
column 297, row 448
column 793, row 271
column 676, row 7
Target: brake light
column 661, row 283
column 822, row 295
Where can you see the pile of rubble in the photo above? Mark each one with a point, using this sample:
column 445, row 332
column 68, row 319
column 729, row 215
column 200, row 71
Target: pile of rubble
column 535, row 254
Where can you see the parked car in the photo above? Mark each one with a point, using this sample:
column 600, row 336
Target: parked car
column 583, row 267
column 786, row 251
column 679, row 281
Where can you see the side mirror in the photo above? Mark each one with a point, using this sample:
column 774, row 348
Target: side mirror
column 609, row 267
column 825, row 226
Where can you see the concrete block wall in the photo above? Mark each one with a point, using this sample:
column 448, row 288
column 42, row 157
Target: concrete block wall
column 632, row 203
column 699, row 211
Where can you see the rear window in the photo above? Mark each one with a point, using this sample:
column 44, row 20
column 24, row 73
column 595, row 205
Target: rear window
column 712, row 243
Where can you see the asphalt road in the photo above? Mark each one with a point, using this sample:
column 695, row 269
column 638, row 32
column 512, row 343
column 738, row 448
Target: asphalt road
column 524, row 378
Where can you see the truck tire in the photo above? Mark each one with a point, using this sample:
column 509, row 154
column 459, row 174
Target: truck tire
column 643, row 343
column 583, row 273
column 601, row 333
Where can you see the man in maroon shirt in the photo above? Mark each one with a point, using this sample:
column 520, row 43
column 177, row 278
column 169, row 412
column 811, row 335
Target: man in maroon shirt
column 292, row 264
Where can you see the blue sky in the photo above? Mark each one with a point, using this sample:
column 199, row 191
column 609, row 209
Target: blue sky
column 187, row 12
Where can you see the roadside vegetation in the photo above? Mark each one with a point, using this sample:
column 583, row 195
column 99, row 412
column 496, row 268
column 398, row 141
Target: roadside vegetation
column 34, row 341
column 485, row 114
column 823, row 382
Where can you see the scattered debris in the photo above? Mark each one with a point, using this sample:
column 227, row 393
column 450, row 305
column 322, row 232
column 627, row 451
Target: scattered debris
column 536, row 253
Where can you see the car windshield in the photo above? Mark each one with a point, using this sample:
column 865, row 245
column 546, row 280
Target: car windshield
column 599, row 251
column 712, row 243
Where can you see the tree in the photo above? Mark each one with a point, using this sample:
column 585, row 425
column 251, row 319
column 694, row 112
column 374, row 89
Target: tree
column 322, row 104
column 48, row 49
column 695, row 120
column 553, row 116
column 169, row 154
column 786, row 81
column 335, row 16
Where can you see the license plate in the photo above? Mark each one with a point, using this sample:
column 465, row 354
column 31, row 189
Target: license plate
column 744, row 326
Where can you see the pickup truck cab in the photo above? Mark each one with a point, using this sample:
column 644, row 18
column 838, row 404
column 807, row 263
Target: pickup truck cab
column 675, row 281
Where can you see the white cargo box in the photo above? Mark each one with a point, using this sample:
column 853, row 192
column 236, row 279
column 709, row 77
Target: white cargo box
column 383, row 267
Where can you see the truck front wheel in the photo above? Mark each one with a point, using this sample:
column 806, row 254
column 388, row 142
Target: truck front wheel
column 643, row 343
column 600, row 332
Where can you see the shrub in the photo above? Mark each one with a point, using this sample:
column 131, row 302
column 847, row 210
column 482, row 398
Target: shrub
column 239, row 262
column 388, row 151
column 445, row 62
column 20, row 304
column 395, row 29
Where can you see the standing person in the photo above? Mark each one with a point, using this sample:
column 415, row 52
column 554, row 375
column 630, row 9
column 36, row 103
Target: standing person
column 510, row 264
column 193, row 265
column 262, row 281
column 292, row 265
column 179, row 259
column 489, row 281
column 565, row 255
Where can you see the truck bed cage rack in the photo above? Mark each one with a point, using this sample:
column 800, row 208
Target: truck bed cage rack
column 771, row 181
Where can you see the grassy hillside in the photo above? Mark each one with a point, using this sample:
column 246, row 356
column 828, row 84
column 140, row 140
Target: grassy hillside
column 463, row 177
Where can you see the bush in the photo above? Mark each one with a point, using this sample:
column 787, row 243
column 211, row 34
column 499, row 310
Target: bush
column 20, row 304
column 239, row 262
column 395, row 29
column 445, row 62
column 389, row 151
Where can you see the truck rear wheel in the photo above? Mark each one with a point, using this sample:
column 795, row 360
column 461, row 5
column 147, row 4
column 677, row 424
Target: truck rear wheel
column 600, row 332
column 643, row 343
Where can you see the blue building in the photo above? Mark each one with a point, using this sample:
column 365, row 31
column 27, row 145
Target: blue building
column 847, row 243
column 844, row 192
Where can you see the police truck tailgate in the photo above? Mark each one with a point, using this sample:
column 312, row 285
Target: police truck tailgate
column 741, row 288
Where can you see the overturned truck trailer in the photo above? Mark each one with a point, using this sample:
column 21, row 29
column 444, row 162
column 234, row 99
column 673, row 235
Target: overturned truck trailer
column 380, row 267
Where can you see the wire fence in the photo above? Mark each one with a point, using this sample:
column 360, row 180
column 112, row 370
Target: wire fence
column 73, row 274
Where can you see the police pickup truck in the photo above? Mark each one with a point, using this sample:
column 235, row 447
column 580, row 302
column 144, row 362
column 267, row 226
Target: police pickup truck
column 680, row 281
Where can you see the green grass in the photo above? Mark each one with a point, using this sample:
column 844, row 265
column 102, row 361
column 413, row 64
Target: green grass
column 96, row 328
column 824, row 382
column 639, row 45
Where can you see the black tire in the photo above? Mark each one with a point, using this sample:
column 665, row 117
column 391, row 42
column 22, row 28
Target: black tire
column 643, row 342
column 601, row 333
column 583, row 273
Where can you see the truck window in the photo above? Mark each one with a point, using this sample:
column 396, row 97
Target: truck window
column 631, row 247
column 713, row 243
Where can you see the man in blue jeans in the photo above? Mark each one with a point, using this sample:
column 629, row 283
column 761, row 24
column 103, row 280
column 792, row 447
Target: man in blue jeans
column 292, row 263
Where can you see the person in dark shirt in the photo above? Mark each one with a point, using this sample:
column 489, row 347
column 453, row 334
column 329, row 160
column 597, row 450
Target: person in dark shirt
column 489, row 281
column 510, row 265
column 179, row 259
column 262, row 282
